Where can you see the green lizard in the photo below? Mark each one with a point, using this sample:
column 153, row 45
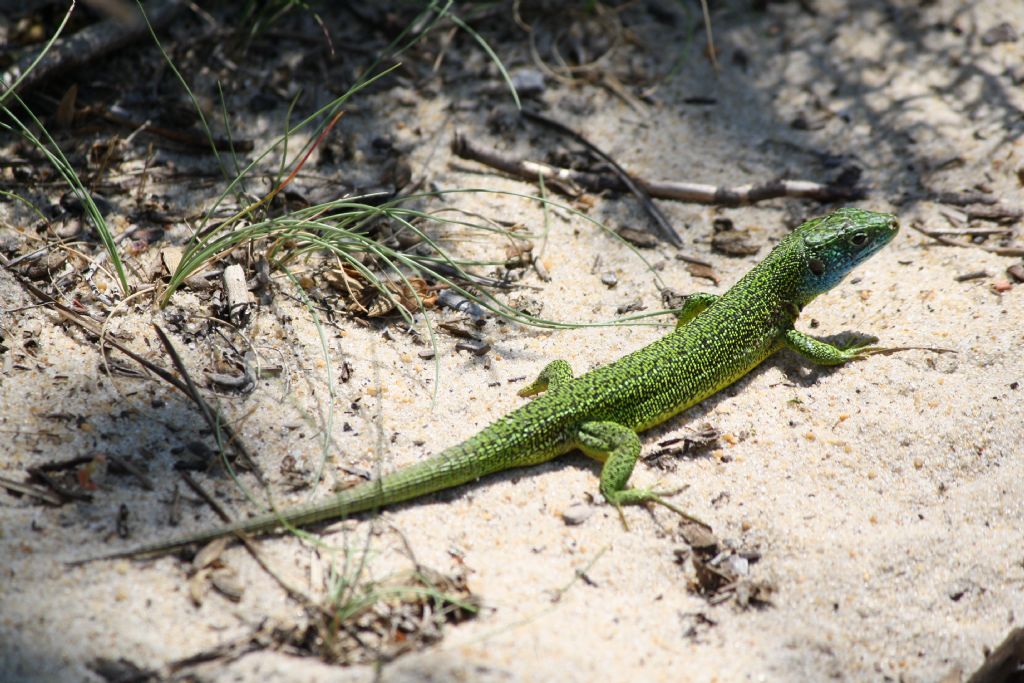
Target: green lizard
column 717, row 340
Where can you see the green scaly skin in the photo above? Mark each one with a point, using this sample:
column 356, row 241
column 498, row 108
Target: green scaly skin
column 717, row 340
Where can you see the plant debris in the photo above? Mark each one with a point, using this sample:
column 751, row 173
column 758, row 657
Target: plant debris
column 380, row 621
column 722, row 574
column 1005, row 664
column 666, row 457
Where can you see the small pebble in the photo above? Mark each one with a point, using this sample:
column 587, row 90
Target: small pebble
column 609, row 279
column 1000, row 33
column 1016, row 73
column 577, row 513
column 999, row 286
column 67, row 229
column 528, row 82
column 736, row 565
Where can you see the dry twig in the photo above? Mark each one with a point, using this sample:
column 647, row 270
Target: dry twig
column 665, row 229
column 573, row 182
column 89, row 44
column 942, row 239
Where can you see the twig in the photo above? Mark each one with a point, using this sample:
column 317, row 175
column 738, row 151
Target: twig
column 223, row 653
column 664, row 228
column 565, row 181
column 56, row 486
column 88, row 44
column 740, row 195
column 117, row 465
column 28, row 490
column 965, row 198
column 1003, row 663
column 971, row 231
column 998, row 214
column 130, row 467
column 712, row 53
column 568, row 182
column 699, row 193
column 1001, row 251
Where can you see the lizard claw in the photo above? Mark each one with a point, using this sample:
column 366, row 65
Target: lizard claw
column 862, row 348
column 640, row 496
column 622, row 517
column 666, row 493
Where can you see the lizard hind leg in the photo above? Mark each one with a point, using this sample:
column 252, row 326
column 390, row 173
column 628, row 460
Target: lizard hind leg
column 555, row 374
column 618, row 447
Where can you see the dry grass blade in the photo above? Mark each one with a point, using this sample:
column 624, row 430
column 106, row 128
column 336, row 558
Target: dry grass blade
column 32, row 491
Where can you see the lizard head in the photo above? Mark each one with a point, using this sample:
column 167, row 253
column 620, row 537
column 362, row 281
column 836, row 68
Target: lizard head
column 835, row 244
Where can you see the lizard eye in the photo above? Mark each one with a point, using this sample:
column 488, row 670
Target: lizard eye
column 859, row 239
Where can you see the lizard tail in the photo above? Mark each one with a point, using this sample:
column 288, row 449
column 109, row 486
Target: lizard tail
column 452, row 467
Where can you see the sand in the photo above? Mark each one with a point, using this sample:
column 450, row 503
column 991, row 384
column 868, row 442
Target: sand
column 883, row 499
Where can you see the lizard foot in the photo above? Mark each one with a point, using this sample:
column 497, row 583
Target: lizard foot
column 643, row 496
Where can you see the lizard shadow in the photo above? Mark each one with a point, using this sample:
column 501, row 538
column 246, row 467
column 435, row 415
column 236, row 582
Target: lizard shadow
column 797, row 371
column 804, row 373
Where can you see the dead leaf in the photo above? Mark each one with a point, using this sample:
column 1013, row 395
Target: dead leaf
column 66, row 109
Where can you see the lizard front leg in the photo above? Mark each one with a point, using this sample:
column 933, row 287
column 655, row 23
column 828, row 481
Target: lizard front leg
column 824, row 353
column 693, row 305
column 555, row 374
column 618, row 447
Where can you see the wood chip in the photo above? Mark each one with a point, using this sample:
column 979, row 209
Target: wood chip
column 638, row 238
column 634, row 305
column 698, row 537
column 197, row 585
column 734, row 243
column 228, row 584
column 170, row 259
column 477, row 348
column 210, row 552
column 700, row 271
column 236, row 292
